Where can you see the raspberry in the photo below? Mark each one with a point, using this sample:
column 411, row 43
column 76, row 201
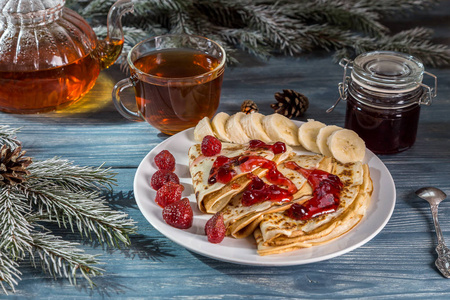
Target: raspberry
column 169, row 193
column 211, row 146
column 161, row 177
column 215, row 228
column 279, row 147
column 164, row 160
column 179, row 214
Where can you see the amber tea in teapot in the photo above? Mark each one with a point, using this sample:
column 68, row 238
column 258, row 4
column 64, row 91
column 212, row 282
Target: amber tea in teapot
column 41, row 90
column 49, row 56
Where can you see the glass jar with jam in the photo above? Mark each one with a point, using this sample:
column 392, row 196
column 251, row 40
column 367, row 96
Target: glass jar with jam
column 384, row 93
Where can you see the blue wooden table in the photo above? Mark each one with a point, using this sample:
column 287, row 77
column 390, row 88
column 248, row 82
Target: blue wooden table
column 397, row 263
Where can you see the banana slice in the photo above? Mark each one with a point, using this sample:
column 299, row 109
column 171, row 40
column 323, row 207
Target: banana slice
column 203, row 129
column 322, row 139
column 252, row 125
column 307, row 135
column 346, row 146
column 234, row 129
column 218, row 126
column 280, row 128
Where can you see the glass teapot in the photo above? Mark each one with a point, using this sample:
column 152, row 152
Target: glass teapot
column 49, row 55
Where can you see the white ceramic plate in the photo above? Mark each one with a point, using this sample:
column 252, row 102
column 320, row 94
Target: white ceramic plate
column 243, row 251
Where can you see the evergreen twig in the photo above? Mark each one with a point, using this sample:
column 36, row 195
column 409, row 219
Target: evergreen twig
column 74, row 178
column 9, row 274
column 59, row 192
column 341, row 15
column 291, row 27
column 84, row 209
column 16, row 237
column 7, row 136
column 409, row 41
column 61, row 258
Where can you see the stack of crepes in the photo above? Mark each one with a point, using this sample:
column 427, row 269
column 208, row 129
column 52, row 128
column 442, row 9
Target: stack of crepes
column 267, row 221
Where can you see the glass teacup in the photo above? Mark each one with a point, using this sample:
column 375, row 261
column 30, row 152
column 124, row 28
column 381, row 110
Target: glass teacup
column 177, row 81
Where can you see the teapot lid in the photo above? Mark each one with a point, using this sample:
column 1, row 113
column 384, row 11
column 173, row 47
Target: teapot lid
column 41, row 35
column 28, row 6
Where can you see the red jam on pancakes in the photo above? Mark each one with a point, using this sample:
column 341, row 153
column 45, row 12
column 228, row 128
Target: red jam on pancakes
column 326, row 191
column 224, row 168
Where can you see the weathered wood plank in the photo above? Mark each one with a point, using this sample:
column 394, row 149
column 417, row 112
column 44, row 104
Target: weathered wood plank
column 397, row 263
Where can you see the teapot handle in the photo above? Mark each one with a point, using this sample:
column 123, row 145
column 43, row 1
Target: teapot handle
column 118, row 88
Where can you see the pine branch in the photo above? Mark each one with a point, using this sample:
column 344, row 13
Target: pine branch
column 146, row 6
column 15, row 235
column 69, row 176
column 390, row 8
column 415, row 42
column 267, row 27
column 220, row 35
column 155, row 14
column 342, row 14
column 97, row 8
column 328, row 37
column 7, row 136
column 279, row 30
column 61, row 258
column 9, row 274
column 18, row 239
column 84, row 209
column 54, row 190
column 250, row 41
column 181, row 23
column 223, row 13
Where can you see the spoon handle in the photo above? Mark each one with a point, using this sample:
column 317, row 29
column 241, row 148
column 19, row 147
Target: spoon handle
column 434, row 212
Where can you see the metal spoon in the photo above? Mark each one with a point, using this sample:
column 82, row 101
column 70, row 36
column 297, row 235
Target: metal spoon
column 434, row 196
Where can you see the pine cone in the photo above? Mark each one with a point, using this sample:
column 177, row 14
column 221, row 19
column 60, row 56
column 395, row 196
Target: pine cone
column 248, row 106
column 290, row 103
column 13, row 165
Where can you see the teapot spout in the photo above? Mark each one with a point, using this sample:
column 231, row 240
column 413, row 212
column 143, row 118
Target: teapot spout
column 110, row 48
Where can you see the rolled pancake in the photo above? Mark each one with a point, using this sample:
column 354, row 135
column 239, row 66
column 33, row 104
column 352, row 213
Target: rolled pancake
column 308, row 162
column 278, row 229
column 240, row 219
column 337, row 228
column 212, row 198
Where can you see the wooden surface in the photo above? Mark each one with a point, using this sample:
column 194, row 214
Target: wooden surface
column 397, row 263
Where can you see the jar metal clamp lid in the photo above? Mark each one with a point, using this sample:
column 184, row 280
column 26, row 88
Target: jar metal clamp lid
column 386, row 72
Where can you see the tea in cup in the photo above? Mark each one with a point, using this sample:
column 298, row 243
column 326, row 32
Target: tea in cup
column 177, row 81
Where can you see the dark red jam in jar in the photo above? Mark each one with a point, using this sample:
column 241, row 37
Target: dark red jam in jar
column 384, row 93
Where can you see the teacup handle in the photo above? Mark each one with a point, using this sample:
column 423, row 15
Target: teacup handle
column 118, row 88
